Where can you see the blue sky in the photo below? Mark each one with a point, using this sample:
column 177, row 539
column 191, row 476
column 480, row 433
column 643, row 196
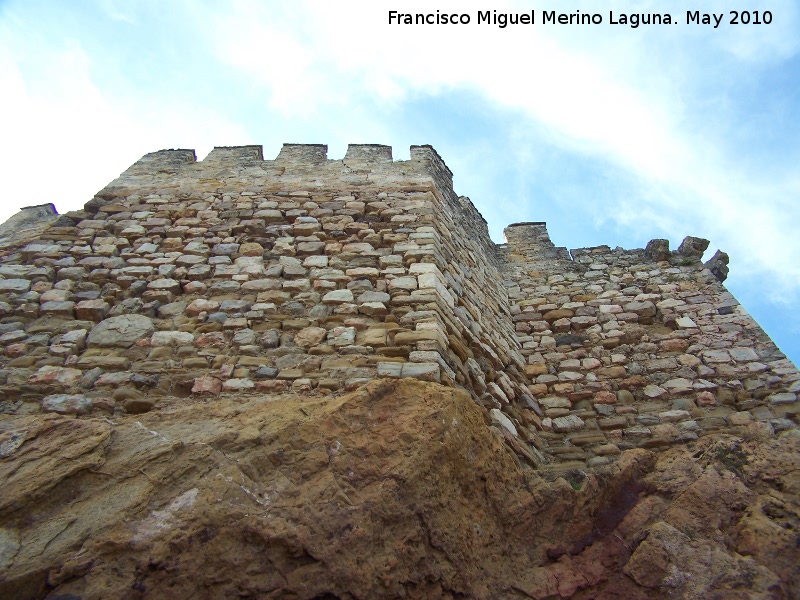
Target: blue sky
column 613, row 135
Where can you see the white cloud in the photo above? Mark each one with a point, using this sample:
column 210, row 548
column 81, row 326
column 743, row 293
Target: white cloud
column 64, row 131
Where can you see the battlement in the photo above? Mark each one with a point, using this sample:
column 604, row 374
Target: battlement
column 301, row 155
column 310, row 154
column 232, row 155
column 239, row 275
column 369, row 165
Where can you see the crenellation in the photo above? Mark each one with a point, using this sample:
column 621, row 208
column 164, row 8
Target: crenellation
column 233, row 155
column 161, row 160
column 368, row 155
column 311, row 154
column 435, row 165
column 236, row 275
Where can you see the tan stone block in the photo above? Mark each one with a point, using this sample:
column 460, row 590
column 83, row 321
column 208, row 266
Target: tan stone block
column 612, row 372
column 535, row 369
column 554, row 315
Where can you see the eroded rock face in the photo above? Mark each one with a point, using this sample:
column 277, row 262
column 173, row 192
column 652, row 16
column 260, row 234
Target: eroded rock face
column 399, row 489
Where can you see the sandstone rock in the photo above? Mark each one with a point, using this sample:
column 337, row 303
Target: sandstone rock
column 554, row 315
column 270, row 339
column 684, row 511
column 567, row 423
column 207, row 385
column 503, row 421
column 605, row 398
column 692, row 247
column 783, row 398
column 136, row 406
column 657, row 250
column 61, row 376
column 171, row 338
column 238, row 384
column 718, row 265
column 121, row 332
column 14, row 285
column 67, row 404
column 251, row 249
column 685, row 323
column 92, row 310
column 310, row 336
column 338, row 297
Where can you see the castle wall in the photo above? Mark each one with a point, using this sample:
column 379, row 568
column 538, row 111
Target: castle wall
column 639, row 348
column 236, row 274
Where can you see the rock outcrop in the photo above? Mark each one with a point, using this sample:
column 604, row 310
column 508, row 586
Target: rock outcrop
column 398, row 489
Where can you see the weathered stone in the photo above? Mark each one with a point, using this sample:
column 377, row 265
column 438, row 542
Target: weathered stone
column 138, row 405
column 554, row 315
column 503, row 421
column 251, row 249
column 166, row 285
column 338, row 297
column 706, row 399
column 654, row 391
column 555, row 402
column 743, row 354
column 692, row 247
column 65, row 309
column 718, row 265
column 657, row 250
column 238, row 384
column 673, row 416
column 224, row 249
column 270, row 339
column 643, row 309
column 310, row 336
column 685, row 323
column 121, row 332
column 92, row 310
column 67, row 404
column 207, row 385
column 107, row 363
column 605, row 398
column 172, row 338
column 244, row 337
column 783, row 398
column 567, row 423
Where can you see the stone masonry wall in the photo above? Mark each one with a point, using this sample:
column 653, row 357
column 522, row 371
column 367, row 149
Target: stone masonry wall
column 639, row 348
column 239, row 275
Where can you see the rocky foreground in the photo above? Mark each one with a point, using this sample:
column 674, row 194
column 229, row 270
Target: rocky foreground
column 397, row 490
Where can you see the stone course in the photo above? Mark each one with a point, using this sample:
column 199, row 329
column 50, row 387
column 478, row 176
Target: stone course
column 242, row 275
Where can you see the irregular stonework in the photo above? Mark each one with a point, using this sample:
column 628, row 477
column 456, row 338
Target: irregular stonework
column 638, row 348
column 237, row 274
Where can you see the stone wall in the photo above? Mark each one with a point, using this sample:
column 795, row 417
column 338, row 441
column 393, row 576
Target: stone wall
column 639, row 348
column 240, row 275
